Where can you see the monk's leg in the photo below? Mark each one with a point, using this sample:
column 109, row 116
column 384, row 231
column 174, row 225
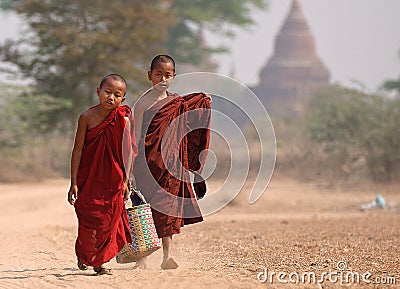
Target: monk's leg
column 168, row 262
column 141, row 263
column 167, row 247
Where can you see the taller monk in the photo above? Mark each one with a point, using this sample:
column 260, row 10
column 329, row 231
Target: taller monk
column 171, row 132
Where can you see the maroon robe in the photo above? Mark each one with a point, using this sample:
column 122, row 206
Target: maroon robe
column 174, row 133
column 103, row 227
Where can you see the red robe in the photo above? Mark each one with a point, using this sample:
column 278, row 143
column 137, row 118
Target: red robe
column 103, row 227
column 174, row 133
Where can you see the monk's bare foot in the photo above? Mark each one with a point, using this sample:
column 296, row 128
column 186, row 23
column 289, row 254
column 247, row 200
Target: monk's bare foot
column 169, row 264
column 82, row 266
column 141, row 263
column 102, row 271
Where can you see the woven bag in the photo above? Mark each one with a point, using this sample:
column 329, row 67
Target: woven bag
column 144, row 235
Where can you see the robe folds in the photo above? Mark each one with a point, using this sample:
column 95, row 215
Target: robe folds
column 103, row 227
column 175, row 132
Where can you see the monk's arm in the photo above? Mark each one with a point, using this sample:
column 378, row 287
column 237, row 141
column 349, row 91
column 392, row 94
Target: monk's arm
column 138, row 116
column 126, row 148
column 76, row 157
column 127, row 153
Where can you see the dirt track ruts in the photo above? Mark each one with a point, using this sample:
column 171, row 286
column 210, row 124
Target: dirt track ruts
column 294, row 228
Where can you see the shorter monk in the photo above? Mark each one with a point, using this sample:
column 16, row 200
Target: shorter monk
column 101, row 161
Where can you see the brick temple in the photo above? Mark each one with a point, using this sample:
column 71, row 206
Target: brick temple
column 294, row 72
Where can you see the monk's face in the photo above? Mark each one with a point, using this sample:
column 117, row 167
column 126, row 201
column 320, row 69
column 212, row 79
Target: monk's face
column 112, row 93
column 162, row 75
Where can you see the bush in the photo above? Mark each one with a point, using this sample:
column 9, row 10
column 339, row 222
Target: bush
column 30, row 147
column 355, row 128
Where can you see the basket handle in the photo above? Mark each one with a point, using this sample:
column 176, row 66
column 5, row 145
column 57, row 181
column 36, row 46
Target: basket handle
column 136, row 192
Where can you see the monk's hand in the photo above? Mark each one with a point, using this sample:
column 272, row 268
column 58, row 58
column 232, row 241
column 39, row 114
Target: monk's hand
column 72, row 194
column 125, row 191
column 208, row 96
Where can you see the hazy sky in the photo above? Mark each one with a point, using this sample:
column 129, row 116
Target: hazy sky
column 356, row 39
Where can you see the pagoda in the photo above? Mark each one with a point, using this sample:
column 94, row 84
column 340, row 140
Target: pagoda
column 294, row 72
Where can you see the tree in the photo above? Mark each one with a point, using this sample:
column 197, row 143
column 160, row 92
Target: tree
column 352, row 126
column 186, row 36
column 25, row 114
column 393, row 84
column 28, row 148
column 70, row 45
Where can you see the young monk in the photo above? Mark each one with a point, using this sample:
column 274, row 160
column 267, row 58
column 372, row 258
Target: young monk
column 166, row 151
column 100, row 167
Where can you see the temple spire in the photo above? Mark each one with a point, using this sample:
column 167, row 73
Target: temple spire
column 294, row 71
column 295, row 38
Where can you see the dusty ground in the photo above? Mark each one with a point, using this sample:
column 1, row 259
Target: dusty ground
column 294, row 228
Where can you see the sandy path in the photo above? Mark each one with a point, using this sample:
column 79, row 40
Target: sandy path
column 293, row 228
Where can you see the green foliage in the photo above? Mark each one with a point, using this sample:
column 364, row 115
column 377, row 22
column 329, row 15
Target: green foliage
column 7, row 4
column 355, row 127
column 36, row 111
column 30, row 146
column 68, row 46
column 71, row 45
column 25, row 114
column 185, row 38
column 12, row 131
column 393, row 84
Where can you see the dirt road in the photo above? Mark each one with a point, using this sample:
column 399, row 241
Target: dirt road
column 294, row 230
